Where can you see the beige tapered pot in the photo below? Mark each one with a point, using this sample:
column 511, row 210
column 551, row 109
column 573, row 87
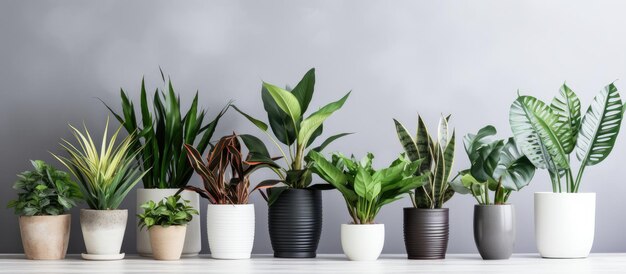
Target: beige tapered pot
column 167, row 242
column 45, row 237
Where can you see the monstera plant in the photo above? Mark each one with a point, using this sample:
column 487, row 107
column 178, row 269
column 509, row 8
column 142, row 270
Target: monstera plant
column 438, row 155
column 285, row 112
column 496, row 165
column 548, row 133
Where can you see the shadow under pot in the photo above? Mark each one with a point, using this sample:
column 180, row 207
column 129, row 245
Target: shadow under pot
column 103, row 232
column 494, row 231
column 230, row 230
column 295, row 223
column 426, row 233
column 45, row 237
column 564, row 224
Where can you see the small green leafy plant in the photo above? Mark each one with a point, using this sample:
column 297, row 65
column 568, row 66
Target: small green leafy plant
column 548, row 134
column 364, row 189
column 44, row 191
column 163, row 133
column 285, row 112
column 438, row 155
column 496, row 165
column 170, row 211
column 226, row 175
column 107, row 174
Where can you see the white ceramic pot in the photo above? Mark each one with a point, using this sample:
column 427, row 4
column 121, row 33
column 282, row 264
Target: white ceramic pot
column 230, row 229
column 103, row 232
column 193, row 242
column 564, row 224
column 362, row 242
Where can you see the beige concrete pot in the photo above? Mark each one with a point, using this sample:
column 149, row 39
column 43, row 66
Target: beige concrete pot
column 167, row 242
column 45, row 237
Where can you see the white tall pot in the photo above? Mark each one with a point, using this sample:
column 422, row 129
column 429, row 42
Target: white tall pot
column 362, row 242
column 564, row 224
column 230, row 230
column 193, row 242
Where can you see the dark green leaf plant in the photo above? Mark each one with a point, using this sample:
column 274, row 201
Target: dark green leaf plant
column 171, row 211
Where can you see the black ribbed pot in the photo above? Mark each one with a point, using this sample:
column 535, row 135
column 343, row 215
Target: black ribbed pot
column 295, row 223
column 426, row 233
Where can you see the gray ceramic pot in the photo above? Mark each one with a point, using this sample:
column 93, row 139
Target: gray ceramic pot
column 494, row 231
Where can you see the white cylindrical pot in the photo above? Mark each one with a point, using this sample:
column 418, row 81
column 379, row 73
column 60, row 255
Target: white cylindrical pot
column 564, row 224
column 362, row 242
column 103, row 230
column 193, row 242
column 230, row 229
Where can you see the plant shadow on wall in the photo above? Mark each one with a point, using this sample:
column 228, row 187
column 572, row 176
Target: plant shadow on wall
column 295, row 210
column 547, row 135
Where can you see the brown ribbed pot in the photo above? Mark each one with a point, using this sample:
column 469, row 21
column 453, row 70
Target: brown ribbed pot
column 426, row 233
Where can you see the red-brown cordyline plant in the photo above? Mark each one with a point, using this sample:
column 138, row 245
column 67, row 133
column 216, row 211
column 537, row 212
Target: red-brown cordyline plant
column 226, row 174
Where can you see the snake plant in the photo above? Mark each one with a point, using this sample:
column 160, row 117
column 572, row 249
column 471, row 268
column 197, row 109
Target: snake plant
column 496, row 165
column 438, row 155
column 364, row 189
column 164, row 132
column 548, row 134
column 107, row 174
column 285, row 112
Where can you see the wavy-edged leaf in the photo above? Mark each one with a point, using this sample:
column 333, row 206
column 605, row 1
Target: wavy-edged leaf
column 566, row 106
column 600, row 126
column 514, row 170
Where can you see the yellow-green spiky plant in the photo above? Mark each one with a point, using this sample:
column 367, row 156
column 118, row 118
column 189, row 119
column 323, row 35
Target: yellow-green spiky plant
column 106, row 175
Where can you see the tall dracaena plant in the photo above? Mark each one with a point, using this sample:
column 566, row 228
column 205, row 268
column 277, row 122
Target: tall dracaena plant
column 438, row 155
column 548, row 134
column 495, row 165
column 285, row 111
column 107, row 174
column 163, row 134
column 226, row 174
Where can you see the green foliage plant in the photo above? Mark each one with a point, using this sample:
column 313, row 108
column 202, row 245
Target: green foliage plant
column 364, row 189
column 44, row 191
column 548, row 133
column 171, row 211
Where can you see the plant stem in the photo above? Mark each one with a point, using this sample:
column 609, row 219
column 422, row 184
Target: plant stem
column 579, row 176
column 279, row 148
column 487, row 193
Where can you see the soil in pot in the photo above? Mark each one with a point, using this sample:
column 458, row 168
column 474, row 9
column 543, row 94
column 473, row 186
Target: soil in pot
column 426, row 233
column 45, row 237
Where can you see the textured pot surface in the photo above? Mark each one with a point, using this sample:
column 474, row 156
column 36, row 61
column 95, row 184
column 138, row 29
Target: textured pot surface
column 362, row 242
column 103, row 230
column 565, row 224
column 295, row 223
column 230, row 229
column 494, row 231
column 426, row 232
column 193, row 242
column 45, row 237
column 167, row 242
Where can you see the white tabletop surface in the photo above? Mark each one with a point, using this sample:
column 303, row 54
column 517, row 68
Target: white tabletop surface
column 454, row 263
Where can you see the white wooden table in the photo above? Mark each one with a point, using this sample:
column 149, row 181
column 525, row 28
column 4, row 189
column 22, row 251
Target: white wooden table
column 454, row 263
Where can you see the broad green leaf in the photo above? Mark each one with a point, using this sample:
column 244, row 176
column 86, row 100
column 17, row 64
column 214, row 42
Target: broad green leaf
column 254, row 145
column 286, row 101
column 304, row 89
column 599, row 127
column 406, row 141
column 514, row 170
column 566, row 106
column 332, row 175
column 280, row 122
column 330, row 140
column 311, row 123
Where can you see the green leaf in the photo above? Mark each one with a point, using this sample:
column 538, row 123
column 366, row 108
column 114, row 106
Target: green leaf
column 332, row 175
column 406, row 141
column 304, row 89
column 286, row 101
column 262, row 126
column 281, row 124
column 254, row 145
column 566, row 106
column 313, row 122
column 330, row 140
column 514, row 170
column 600, row 127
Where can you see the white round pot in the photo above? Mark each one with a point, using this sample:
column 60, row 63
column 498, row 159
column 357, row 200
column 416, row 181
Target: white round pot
column 564, row 224
column 362, row 242
column 230, row 229
column 103, row 232
column 193, row 242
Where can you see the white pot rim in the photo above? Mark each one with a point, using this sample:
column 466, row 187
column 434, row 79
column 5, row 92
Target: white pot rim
column 565, row 193
column 232, row 205
column 363, row 225
column 103, row 210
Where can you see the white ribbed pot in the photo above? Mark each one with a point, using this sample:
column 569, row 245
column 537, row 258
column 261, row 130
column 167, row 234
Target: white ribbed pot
column 230, row 229
column 193, row 242
column 362, row 242
column 103, row 232
column 564, row 224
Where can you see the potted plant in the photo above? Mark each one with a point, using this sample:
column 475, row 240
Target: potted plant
column 295, row 205
column 226, row 178
column 547, row 135
column 162, row 133
column 366, row 191
column 426, row 224
column 106, row 175
column 495, row 166
column 166, row 223
column 44, row 198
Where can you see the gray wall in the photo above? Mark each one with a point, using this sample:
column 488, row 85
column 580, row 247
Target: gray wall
column 467, row 58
